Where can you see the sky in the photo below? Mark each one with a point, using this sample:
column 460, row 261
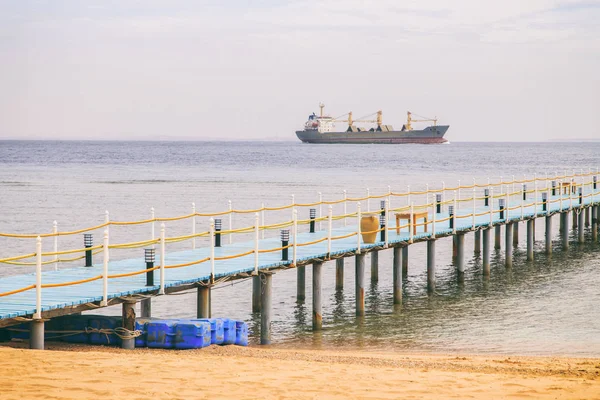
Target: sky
column 511, row 70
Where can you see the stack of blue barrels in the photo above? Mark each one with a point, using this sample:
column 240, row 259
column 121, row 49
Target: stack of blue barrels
column 155, row 333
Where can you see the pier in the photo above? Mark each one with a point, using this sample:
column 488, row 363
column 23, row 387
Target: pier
column 305, row 235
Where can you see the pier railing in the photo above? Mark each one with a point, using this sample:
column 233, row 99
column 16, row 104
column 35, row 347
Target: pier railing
column 505, row 198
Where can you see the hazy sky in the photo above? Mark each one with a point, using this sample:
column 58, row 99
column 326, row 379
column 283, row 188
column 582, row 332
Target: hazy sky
column 184, row 69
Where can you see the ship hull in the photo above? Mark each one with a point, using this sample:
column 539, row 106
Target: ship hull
column 429, row 135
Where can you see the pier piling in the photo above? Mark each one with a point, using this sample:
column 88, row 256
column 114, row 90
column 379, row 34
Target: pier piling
column 565, row 231
column 497, row 236
column 339, row 274
column 477, row 249
column 266, row 280
column 431, row 266
column 549, row 234
column 515, row 241
column 595, row 216
column 36, row 339
column 374, row 266
column 460, row 256
column 530, row 240
column 581, row 230
column 360, row 284
column 486, row 252
column 128, row 323
column 397, row 275
column 574, row 219
column 256, row 289
column 317, row 320
column 587, row 217
column 509, row 245
column 301, row 284
column 203, row 302
column 146, row 308
column 405, row 262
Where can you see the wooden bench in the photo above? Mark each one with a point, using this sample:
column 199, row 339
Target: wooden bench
column 406, row 215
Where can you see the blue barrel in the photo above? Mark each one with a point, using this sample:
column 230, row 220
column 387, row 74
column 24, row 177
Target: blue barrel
column 141, row 324
column 71, row 324
column 161, row 334
column 217, row 334
column 229, row 331
column 108, row 323
column 192, row 334
column 241, row 333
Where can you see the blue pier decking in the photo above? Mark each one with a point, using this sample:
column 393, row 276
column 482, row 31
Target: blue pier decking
column 56, row 298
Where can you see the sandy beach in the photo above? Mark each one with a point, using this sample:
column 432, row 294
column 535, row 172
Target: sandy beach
column 81, row 372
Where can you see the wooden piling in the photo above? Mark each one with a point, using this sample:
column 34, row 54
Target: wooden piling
column 549, row 234
column 595, row 216
column 360, row 284
column 498, row 234
column 374, row 266
column 266, row 279
column 460, row 256
column 300, row 284
column 146, row 308
column 565, row 232
column 574, row 219
column 339, row 273
column 530, row 229
column 397, row 275
column 587, row 217
column 515, row 234
column 203, row 302
column 128, row 323
column 317, row 319
column 477, row 248
column 581, row 230
column 431, row 266
column 486, row 252
column 256, row 289
column 36, row 336
column 508, row 251
column 405, row 262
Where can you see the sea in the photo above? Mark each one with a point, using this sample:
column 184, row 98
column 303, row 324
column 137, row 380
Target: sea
column 550, row 306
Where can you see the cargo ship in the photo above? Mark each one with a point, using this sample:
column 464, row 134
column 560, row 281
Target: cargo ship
column 321, row 129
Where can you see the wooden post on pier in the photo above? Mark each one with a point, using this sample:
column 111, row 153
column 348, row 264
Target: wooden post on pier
column 203, row 302
column 317, row 317
column 397, row 275
column 581, row 230
column 587, row 217
column 574, row 219
column 477, row 249
column 509, row 245
column 497, row 238
column 36, row 337
column 405, row 262
column 256, row 289
column 339, row 273
column 530, row 230
column 266, row 279
column 595, row 216
column 549, row 234
column 515, row 233
column 565, row 232
column 300, row 284
column 486, row 252
column 360, row 284
column 128, row 323
column 459, row 239
column 431, row 266
column 374, row 266
column 146, row 308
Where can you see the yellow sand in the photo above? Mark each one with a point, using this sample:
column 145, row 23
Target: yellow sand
column 85, row 372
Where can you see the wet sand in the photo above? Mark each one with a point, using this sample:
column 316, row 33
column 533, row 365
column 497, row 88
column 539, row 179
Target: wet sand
column 82, row 372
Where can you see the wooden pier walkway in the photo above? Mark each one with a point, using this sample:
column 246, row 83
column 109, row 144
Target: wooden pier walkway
column 47, row 294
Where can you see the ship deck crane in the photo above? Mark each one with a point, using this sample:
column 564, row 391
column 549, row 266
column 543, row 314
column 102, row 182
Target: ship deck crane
column 351, row 121
column 409, row 119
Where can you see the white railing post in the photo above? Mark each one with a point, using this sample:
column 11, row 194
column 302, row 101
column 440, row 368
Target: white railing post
column 432, row 221
column 345, row 207
column 368, row 200
column 194, row 226
column 293, row 205
column 329, row 228
column 55, row 231
column 107, row 219
column 455, row 213
column 513, row 183
column 535, row 195
column 474, row 206
column 212, row 249
column 152, row 225
column 522, row 204
column 491, row 204
column 262, row 218
column 230, row 221
column 411, row 223
column 295, row 237
column 105, row 258
column 38, row 278
column 256, row 233
column 162, row 258
column 385, row 226
column 358, row 235
column 507, row 205
column 320, row 210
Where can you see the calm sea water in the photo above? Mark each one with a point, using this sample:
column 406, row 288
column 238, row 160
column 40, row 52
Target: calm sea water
column 549, row 306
